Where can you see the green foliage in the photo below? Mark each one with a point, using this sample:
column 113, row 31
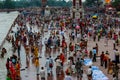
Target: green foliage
column 10, row 4
column 69, row 3
column 1, row 5
column 116, row 4
column 22, row 4
column 35, row 3
column 62, row 3
column 89, row 2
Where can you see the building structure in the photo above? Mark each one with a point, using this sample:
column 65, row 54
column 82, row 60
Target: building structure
column 43, row 2
column 76, row 9
column 47, row 11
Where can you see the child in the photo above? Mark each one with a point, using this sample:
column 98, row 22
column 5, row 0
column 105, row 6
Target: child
column 42, row 73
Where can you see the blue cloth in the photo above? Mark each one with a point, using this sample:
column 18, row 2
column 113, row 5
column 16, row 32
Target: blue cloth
column 87, row 62
column 95, row 68
column 98, row 74
column 94, row 51
column 49, row 41
column 62, row 32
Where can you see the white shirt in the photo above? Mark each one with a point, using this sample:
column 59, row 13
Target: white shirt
column 47, row 63
column 114, row 79
column 58, row 62
column 68, row 78
column 78, row 35
column 45, row 42
column 116, row 52
column 89, row 71
column 42, row 73
column 84, row 77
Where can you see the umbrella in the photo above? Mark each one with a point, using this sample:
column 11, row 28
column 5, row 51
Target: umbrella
column 118, row 12
column 63, row 17
column 94, row 16
column 77, row 27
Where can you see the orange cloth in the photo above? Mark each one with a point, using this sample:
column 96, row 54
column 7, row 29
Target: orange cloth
column 36, row 52
column 106, row 57
column 18, row 69
column 37, row 62
column 62, row 58
column 107, row 1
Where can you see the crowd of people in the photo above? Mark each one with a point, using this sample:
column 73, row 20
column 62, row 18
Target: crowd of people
column 13, row 68
column 69, row 38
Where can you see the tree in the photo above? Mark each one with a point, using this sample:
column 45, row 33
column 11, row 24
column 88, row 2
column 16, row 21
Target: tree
column 8, row 4
column 89, row 2
column 1, row 4
column 69, row 3
column 35, row 3
column 51, row 2
column 116, row 4
column 93, row 2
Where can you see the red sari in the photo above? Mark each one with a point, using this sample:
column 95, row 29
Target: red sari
column 62, row 58
column 64, row 44
column 13, row 73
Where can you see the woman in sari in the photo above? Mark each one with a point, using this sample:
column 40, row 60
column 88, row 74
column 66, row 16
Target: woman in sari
column 17, row 70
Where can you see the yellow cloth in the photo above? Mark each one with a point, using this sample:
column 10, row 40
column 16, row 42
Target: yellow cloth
column 110, row 71
column 36, row 52
column 37, row 62
column 94, row 17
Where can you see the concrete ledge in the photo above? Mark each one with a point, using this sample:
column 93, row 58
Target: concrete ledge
column 1, row 45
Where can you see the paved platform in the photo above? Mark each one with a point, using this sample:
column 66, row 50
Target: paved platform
column 30, row 74
column 6, row 21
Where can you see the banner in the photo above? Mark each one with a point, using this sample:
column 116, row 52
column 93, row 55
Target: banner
column 107, row 1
